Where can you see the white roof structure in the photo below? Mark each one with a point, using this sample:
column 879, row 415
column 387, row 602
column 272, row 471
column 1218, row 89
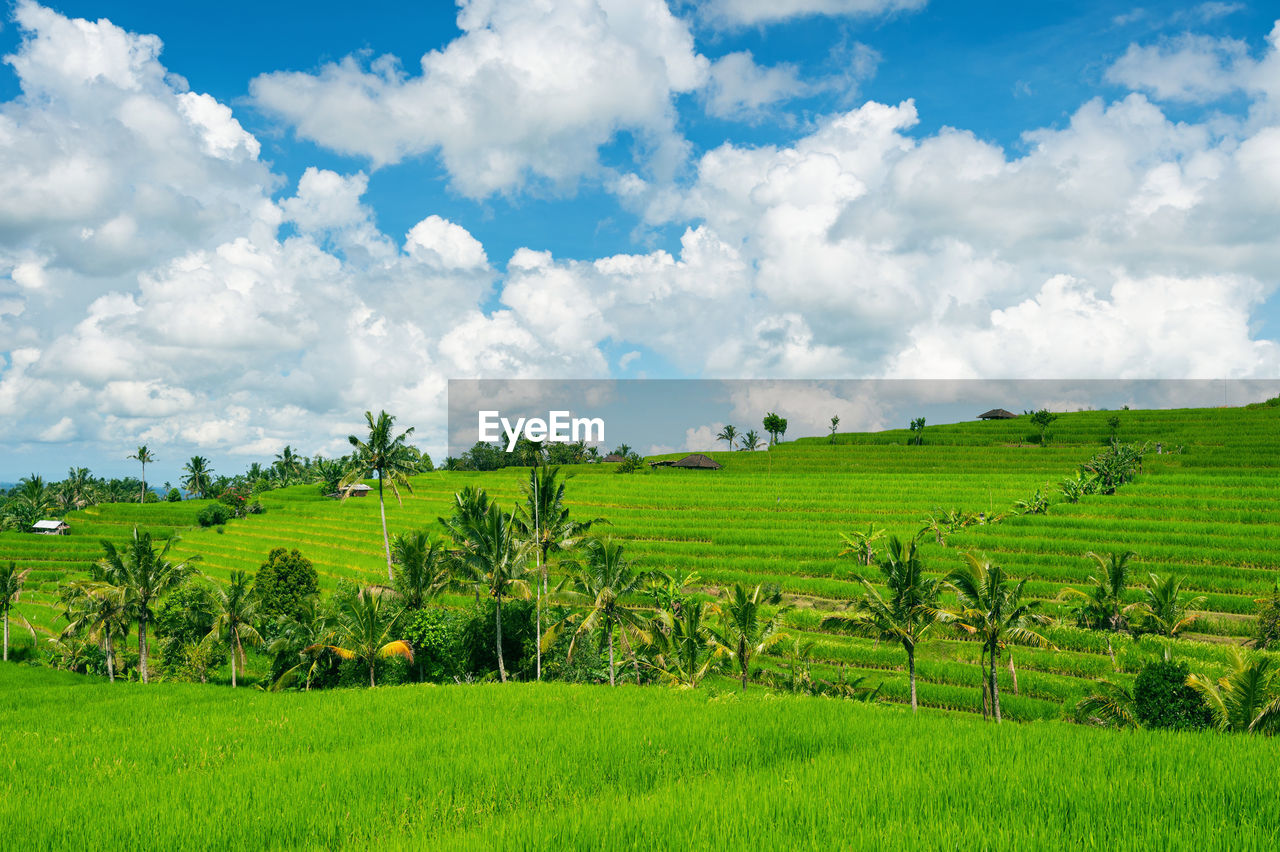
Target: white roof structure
column 48, row 525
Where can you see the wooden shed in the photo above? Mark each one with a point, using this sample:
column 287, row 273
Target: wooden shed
column 698, row 461
column 359, row 489
column 997, row 414
column 613, row 458
column 50, row 528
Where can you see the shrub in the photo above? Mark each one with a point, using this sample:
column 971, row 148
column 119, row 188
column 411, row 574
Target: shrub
column 1162, row 699
column 214, row 515
column 283, row 582
column 174, row 496
column 1267, row 632
column 436, row 636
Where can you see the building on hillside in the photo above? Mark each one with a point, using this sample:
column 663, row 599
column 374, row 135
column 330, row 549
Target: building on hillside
column 997, row 414
column 662, row 463
column 613, row 458
column 359, row 489
column 698, row 461
column 50, row 528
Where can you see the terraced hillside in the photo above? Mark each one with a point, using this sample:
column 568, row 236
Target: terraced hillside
column 1205, row 508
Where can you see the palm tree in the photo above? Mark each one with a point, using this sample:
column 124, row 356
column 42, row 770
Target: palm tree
column 492, row 554
column 1162, row 609
column 861, row 545
column 687, row 648
column 11, row 580
column 308, row 632
column 744, row 631
column 751, row 441
column 145, row 574
column 598, row 589
column 728, row 433
column 288, row 464
column 144, row 456
column 1103, row 606
column 991, row 609
column 1246, row 698
column 28, row 503
column 908, row 614
column 199, row 476
column 1110, row 706
column 422, row 569
column 544, row 522
column 234, row 610
column 77, row 490
column 384, row 455
column 100, row 611
column 365, row 631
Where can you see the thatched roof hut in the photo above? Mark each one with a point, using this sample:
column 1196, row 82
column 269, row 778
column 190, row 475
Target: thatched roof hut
column 698, row 461
column 613, row 458
column 997, row 414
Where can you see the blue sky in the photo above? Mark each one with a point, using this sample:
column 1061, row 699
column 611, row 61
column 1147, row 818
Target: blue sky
column 804, row 188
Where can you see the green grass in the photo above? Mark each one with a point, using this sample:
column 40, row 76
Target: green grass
column 180, row 767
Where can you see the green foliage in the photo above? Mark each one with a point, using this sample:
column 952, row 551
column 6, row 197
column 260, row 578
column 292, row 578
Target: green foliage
column 1162, row 698
column 283, row 583
column 1114, row 467
column 1267, row 630
column 917, row 431
column 776, row 427
column 215, row 514
column 630, row 463
column 174, row 496
column 1042, row 420
column 519, row 638
column 436, row 635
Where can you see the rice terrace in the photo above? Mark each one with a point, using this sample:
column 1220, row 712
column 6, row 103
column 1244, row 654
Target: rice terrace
column 755, row 621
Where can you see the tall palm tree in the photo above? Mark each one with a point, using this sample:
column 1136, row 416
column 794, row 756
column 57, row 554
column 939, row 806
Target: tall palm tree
column 728, row 433
column 862, row 545
column 144, row 456
column 145, row 574
column 77, row 490
column 687, row 648
column 98, row 610
column 366, row 629
column 906, row 616
column 744, row 629
column 599, row 587
column 199, row 476
column 1162, row 609
column 1246, row 698
column 11, row 580
column 32, row 500
column 385, row 455
column 422, row 567
column 308, row 633
column 1103, row 606
column 234, row 610
column 544, row 522
column 492, row 554
column 991, row 609
column 750, row 441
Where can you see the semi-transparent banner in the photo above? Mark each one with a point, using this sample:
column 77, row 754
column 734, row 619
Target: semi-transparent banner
column 675, row 415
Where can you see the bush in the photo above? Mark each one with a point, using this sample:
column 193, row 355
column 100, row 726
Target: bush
column 1162, row 699
column 214, row 515
column 283, row 582
column 436, row 636
column 479, row 658
column 174, row 496
column 1267, row 632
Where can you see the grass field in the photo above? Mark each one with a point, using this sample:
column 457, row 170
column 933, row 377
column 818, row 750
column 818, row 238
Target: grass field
column 1206, row 508
column 555, row 766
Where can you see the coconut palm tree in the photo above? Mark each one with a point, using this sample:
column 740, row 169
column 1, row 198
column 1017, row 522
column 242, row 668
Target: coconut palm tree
column 744, row 629
column 308, row 633
column 32, row 500
column 145, row 574
column 234, row 610
column 77, row 490
column 861, row 545
column 1162, row 610
column 750, row 441
column 491, row 556
column 288, row 464
column 729, row 434
column 422, row 567
column 199, row 477
column 686, row 644
column 11, row 580
column 544, row 522
column 1246, row 698
column 1109, row 706
column 99, row 611
column 143, row 456
column 385, row 455
column 906, row 616
column 599, row 586
column 365, row 631
column 1103, row 606
column 992, row 610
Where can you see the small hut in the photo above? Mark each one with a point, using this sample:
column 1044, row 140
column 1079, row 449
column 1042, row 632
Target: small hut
column 50, row 528
column 613, row 458
column 997, row 414
column 359, row 489
column 662, row 463
column 698, row 461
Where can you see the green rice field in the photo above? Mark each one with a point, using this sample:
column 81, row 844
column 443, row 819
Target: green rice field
column 555, row 766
